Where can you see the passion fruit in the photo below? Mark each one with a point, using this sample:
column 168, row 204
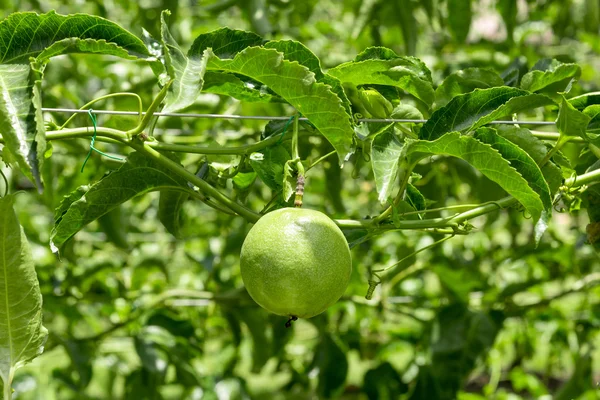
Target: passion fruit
column 295, row 262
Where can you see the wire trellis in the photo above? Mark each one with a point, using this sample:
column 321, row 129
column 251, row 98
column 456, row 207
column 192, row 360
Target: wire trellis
column 269, row 118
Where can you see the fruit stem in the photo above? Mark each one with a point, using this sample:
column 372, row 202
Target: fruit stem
column 299, row 191
column 299, row 167
column 288, row 324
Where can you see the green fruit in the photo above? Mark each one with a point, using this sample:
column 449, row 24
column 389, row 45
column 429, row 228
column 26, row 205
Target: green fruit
column 295, row 262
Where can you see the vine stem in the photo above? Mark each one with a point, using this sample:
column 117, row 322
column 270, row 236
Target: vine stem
column 8, row 385
column 200, row 183
column 85, row 106
column 114, row 135
column 5, row 183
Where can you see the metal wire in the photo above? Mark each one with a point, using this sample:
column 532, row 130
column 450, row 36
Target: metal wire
column 271, row 118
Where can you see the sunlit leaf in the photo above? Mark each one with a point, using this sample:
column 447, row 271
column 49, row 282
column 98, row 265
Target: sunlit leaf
column 187, row 72
column 28, row 34
column 381, row 66
column 22, row 335
column 385, row 158
column 520, row 160
column 550, row 76
column 297, row 85
column 524, row 139
column 21, row 121
column 484, row 158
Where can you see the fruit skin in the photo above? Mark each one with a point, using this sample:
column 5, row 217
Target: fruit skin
column 295, row 262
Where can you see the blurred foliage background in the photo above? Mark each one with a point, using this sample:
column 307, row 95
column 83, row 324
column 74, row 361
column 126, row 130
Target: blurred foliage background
column 134, row 313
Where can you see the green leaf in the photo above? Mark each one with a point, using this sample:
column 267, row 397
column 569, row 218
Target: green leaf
column 22, row 335
column 464, row 81
column 593, row 112
column 114, row 225
column 224, row 42
column 230, row 85
column 415, row 198
column 508, row 10
column 332, row 366
column 472, row 110
column 513, row 74
column 296, row 51
column 537, row 150
column 481, row 156
column 269, row 165
column 580, row 381
column 77, row 45
column 461, row 337
column 405, row 15
column 27, row 34
column 383, row 382
column 459, row 19
column 187, row 72
column 21, row 120
column 137, row 176
column 169, row 210
column 519, row 160
column 571, row 122
column 582, row 101
column 297, row 85
column 406, row 111
column 591, row 200
column 381, row 66
column 550, row 76
column 385, row 158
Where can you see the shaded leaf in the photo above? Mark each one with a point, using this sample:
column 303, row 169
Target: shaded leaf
column 460, row 337
column 330, row 359
column 169, row 210
column 114, row 225
column 472, row 110
column 22, row 335
column 224, row 42
column 508, row 10
column 269, row 165
column 459, row 19
column 405, row 17
column 513, row 74
column 384, row 383
column 137, row 176
column 464, row 81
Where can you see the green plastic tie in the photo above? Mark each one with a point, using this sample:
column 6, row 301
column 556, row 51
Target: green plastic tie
column 92, row 148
